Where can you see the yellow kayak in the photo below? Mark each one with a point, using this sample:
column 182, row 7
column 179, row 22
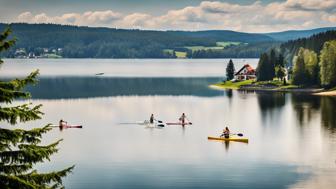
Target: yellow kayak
column 229, row 139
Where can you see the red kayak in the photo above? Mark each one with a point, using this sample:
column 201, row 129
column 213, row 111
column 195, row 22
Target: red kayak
column 179, row 123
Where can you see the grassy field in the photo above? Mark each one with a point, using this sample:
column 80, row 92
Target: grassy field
column 227, row 43
column 197, row 48
column 260, row 85
column 232, row 85
column 180, row 54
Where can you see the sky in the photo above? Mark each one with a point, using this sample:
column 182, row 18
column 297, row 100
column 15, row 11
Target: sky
column 238, row 15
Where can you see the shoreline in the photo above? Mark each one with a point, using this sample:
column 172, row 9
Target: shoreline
column 312, row 91
column 326, row 93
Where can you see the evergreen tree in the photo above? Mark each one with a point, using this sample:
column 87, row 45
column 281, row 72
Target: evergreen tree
column 20, row 149
column 263, row 68
column 272, row 63
column 280, row 61
column 230, row 69
column 328, row 64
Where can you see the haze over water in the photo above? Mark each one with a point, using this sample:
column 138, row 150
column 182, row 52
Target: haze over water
column 292, row 138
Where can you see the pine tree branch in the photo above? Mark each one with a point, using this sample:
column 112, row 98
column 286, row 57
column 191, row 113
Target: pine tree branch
column 5, row 45
column 15, row 169
column 13, row 89
column 12, row 181
column 29, row 153
column 22, row 112
column 41, row 179
column 9, row 138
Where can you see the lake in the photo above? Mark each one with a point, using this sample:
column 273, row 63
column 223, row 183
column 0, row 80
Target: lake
column 292, row 137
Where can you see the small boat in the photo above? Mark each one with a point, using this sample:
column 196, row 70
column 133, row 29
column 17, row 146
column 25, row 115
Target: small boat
column 235, row 139
column 100, row 73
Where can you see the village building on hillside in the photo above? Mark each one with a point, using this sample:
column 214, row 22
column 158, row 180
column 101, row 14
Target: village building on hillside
column 245, row 73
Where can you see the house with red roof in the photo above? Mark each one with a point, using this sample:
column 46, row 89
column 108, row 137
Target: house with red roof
column 245, row 73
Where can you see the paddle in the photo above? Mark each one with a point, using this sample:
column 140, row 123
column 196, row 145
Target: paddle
column 238, row 134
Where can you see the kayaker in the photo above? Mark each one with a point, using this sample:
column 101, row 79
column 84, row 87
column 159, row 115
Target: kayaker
column 151, row 119
column 226, row 133
column 62, row 123
column 183, row 118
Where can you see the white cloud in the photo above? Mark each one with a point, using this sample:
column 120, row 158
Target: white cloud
column 25, row 17
column 255, row 17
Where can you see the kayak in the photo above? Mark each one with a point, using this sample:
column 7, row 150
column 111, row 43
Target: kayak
column 178, row 123
column 71, row 126
column 68, row 126
column 229, row 139
column 148, row 124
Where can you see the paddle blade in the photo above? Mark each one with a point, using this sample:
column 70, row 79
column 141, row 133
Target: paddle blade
column 159, row 121
column 240, row 134
column 160, row 125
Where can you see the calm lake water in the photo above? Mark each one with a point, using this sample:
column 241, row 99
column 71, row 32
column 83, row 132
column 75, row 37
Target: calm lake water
column 292, row 137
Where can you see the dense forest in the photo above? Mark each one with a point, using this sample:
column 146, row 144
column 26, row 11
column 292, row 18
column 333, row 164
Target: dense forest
column 42, row 40
column 311, row 61
column 314, row 43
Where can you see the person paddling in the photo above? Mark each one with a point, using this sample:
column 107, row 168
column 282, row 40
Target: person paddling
column 183, row 118
column 62, row 123
column 226, row 133
column 151, row 119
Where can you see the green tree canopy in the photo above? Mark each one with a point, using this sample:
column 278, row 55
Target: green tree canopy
column 20, row 149
column 299, row 71
column 306, row 68
column 328, row 64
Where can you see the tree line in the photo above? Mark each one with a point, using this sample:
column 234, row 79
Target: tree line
column 86, row 42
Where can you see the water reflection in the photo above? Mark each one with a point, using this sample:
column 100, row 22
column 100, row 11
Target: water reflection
column 270, row 106
column 305, row 106
column 85, row 87
column 328, row 113
column 270, row 100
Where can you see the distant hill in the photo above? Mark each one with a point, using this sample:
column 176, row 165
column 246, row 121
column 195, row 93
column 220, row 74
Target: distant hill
column 52, row 40
column 227, row 35
column 296, row 34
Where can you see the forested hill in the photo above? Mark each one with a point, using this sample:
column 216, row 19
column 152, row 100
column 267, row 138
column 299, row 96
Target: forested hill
column 85, row 42
column 314, row 43
column 296, row 34
column 52, row 40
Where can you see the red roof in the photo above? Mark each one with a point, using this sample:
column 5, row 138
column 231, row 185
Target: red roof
column 250, row 70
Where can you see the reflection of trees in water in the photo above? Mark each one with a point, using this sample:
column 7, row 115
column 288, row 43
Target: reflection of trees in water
column 229, row 93
column 85, row 87
column 270, row 104
column 328, row 113
column 270, row 100
column 305, row 106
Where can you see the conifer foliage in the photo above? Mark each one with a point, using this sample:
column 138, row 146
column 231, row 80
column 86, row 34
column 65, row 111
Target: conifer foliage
column 230, row 69
column 20, row 149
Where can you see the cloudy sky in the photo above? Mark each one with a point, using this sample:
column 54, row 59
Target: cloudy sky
column 238, row 15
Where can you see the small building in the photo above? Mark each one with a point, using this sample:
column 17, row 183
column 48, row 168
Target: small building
column 245, row 73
